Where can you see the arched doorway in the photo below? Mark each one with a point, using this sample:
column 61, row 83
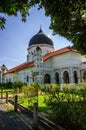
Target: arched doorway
column 66, row 77
column 57, row 78
column 75, row 77
column 47, row 79
column 84, row 75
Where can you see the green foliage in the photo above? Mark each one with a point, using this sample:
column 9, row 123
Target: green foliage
column 2, row 22
column 82, row 90
column 7, row 85
column 36, row 86
column 50, row 88
column 68, row 19
column 28, row 91
column 68, row 107
column 2, row 85
column 17, row 86
column 12, row 7
column 31, row 93
column 28, row 102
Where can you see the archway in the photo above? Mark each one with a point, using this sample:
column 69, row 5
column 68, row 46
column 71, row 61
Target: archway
column 47, row 79
column 75, row 77
column 66, row 77
column 57, row 78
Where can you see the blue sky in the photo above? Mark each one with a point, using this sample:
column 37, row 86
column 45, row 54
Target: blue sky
column 15, row 37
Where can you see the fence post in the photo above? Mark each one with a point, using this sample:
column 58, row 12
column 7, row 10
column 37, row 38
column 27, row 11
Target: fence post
column 15, row 103
column 6, row 97
column 35, row 116
column 1, row 93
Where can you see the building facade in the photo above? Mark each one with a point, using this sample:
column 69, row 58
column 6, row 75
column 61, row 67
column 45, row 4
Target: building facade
column 46, row 65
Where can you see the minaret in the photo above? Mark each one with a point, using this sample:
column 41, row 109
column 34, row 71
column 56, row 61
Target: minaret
column 3, row 70
column 38, row 62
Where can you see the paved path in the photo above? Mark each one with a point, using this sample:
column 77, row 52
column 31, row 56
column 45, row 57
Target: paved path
column 10, row 121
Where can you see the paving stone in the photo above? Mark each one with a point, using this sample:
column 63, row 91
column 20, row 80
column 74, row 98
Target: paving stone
column 10, row 121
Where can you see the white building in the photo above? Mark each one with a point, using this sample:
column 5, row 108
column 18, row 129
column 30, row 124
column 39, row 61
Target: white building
column 47, row 65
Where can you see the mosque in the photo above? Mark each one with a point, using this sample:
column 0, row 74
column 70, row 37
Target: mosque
column 46, row 65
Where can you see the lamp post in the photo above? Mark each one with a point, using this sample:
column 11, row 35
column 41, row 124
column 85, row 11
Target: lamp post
column 3, row 70
column 34, row 77
column 35, row 107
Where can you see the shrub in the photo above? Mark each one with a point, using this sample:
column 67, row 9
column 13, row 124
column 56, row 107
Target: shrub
column 68, row 110
column 51, row 88
column 31, row 93
column 2, row 85
column 17, row 86
column 9, row 85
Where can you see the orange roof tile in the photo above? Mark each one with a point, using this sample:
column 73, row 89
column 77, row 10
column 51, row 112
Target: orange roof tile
column 58, row 52
column 20, row 67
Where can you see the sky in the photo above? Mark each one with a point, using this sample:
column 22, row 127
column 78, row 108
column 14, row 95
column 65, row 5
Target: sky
column 14, row 39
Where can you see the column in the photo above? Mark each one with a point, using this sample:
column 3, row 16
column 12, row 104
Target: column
column 79, row 77
column 71, row 75
column 61, row 76
column 52, row 75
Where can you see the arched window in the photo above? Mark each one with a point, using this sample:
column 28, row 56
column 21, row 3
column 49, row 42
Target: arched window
column 47, row 78
column 84, row 75
column 75, row 77
column 66, row 77
column 27, row 78
column 57, row 78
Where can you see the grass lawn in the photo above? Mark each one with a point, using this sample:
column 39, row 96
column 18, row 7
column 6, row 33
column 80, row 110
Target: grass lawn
column 7, row 90
column 28, row 102
column 10, row 92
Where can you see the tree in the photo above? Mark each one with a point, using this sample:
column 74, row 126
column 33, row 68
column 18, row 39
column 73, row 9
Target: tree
column 12, row 7
column 18, row 86
column 68, row 18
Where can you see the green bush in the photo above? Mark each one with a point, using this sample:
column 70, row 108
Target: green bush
column 31, row 93
column 2, row 85
column 17, row 86
column 9, row 85
column 68, row 110
column 50, row 88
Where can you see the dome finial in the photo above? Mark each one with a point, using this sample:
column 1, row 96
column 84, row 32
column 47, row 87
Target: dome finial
column 40, row 27
column 40, row 31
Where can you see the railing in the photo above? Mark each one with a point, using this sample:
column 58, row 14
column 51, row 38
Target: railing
column 44, row 122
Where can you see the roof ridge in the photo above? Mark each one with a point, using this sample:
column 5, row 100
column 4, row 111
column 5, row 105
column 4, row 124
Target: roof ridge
column 58, row 52
column 21, row 66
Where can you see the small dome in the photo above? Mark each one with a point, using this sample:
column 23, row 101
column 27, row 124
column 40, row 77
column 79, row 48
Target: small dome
column 40, row 38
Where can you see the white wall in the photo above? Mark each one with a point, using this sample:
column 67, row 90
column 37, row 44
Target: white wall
column 69, row 58
column 19, row 75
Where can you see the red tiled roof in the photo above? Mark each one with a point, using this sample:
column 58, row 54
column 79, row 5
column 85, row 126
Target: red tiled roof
column 20, row 67
column 58, row 52
column 46, row 57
